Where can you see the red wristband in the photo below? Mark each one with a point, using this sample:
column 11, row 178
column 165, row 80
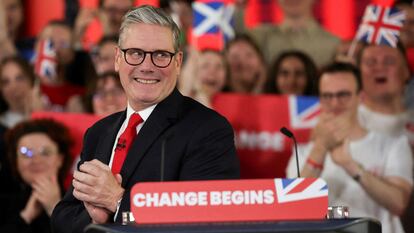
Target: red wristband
column 314, row 164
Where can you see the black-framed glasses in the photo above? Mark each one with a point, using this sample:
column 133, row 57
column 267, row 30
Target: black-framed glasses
column 159, row 58
column 342, row 96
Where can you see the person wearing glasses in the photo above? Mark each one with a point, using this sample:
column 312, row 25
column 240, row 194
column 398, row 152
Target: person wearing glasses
column 369, row 172
column 159, row 127
column 39, row 154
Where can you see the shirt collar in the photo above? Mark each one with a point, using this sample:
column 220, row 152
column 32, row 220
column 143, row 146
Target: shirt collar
column 145, row 113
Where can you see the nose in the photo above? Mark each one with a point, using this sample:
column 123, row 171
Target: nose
column 146, row 63
column 12, row 85
column 36, row 158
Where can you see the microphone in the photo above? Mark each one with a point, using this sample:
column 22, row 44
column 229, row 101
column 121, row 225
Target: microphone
column 289, row 134
column 162, row 163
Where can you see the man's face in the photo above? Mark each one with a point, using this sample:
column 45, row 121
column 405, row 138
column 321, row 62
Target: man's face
column 383, row 71
column 114, row 10
column 244, row 62
column 407, row 31
column 147, row 84
column 338, row 93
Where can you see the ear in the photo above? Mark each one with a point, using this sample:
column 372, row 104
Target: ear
column 178, row 61
column 406, row 74
column 60, row 161
column 118, row 57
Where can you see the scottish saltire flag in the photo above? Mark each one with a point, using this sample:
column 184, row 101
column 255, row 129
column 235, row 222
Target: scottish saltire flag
column 303, row 111
column 212, row 23
column 381, row 25
column 299, row 189
column 45, row 63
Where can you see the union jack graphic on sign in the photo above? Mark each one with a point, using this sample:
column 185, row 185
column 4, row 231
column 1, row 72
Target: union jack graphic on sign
column 212, row 23
column 303, row 111
column 290, row 190
column 381, row 25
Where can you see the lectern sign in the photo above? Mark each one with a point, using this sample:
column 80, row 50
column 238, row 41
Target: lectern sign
column 229, row 200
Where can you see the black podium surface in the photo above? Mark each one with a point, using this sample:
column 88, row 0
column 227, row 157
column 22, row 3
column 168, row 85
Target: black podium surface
column 350, row 225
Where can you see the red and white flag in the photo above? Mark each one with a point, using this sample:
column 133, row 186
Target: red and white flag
column 45, row 63
column 381, row 25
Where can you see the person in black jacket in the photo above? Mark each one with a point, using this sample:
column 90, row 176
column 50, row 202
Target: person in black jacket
column 198, row 143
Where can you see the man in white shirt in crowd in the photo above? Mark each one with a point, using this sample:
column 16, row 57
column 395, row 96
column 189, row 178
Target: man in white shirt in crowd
column 385, row 75
column 369, row 172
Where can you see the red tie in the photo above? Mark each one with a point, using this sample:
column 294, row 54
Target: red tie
column 124, row 142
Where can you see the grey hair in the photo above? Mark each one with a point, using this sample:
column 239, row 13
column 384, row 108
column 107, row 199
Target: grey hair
column 150, row 15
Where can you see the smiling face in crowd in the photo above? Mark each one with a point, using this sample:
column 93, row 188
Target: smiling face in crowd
column 42, row 160
column 384, row 72
column 211, row 72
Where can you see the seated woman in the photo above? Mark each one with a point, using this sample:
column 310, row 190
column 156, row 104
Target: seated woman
column 39, row 154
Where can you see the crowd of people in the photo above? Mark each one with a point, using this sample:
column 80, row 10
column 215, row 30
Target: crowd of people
column 362, row 145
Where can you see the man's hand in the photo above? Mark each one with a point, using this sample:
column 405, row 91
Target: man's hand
column 99, row 215
column 331, row 130
column 340, row 154
column 95, row 184
column 84, row 18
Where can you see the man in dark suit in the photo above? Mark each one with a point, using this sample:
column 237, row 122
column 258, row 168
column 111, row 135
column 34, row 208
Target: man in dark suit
column 175, row 137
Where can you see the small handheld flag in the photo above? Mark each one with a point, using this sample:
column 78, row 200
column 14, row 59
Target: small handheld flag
column 212, row 24
column 45, row 64
column 381, row 25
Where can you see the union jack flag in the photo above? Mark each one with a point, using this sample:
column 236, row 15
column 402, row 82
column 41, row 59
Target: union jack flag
column 381, row 25
column 303, row 111
column 45, row 64
column 212, row 23
column 299, row 189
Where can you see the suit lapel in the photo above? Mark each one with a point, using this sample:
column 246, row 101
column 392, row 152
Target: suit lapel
column 163, row 116
column 104, row 149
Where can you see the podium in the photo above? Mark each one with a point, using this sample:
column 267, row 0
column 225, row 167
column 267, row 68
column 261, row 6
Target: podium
column 234, row 206
column 350, row 225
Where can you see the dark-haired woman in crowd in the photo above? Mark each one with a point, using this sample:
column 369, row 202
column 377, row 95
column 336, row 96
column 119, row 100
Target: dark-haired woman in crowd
column 292, row 73
column 18, row 93
column 39, row 153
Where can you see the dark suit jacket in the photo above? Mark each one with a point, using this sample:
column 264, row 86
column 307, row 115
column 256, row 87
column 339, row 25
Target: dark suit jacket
column 198, row 145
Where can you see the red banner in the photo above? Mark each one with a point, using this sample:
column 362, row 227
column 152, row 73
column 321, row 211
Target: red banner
column 229, row 201
column 263, row 151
